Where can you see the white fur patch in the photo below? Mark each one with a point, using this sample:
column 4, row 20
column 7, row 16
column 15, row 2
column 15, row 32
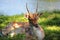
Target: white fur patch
column 38, row 33
column 12, row 34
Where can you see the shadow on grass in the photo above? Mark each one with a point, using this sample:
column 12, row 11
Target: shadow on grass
column 16, row 37
column 52, row 35
column 51, row 22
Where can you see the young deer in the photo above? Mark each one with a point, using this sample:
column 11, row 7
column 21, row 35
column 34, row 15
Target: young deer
column 31, row 28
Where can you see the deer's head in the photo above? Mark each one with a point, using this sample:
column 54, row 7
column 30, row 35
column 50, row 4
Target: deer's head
column 33, row 17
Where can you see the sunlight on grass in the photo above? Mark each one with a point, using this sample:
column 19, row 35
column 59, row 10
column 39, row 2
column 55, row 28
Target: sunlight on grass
column 51, row 16
column 41, row 19
column 2, row 25
column 58, row 15
column 53, row 28
column 45, row 19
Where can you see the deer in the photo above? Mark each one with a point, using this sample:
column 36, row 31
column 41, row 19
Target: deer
column 31, row 28
column 34, row 26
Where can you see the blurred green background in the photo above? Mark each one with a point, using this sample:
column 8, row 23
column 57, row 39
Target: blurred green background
column 50, row 22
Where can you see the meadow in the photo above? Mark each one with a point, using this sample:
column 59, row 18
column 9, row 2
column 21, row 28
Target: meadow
column 50, row 22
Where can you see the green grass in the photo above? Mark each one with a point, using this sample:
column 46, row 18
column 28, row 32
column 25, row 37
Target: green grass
column 50, row 22
column 16, row 37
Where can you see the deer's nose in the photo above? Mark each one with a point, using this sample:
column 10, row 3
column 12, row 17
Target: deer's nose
column 36, row 25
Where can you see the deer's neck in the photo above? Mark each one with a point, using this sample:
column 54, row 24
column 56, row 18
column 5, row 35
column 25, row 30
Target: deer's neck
column 32, row 24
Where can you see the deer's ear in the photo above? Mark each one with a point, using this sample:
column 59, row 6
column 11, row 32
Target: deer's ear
column 40, row 14
column 26, row 15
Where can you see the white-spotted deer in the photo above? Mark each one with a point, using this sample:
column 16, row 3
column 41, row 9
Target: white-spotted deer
column 30, row 28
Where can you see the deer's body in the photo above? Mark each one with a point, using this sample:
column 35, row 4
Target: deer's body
column 14, row 26
column 23, row 28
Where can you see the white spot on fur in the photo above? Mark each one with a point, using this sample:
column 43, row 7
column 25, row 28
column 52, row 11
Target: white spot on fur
column 12, row 34
column 16, row 25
